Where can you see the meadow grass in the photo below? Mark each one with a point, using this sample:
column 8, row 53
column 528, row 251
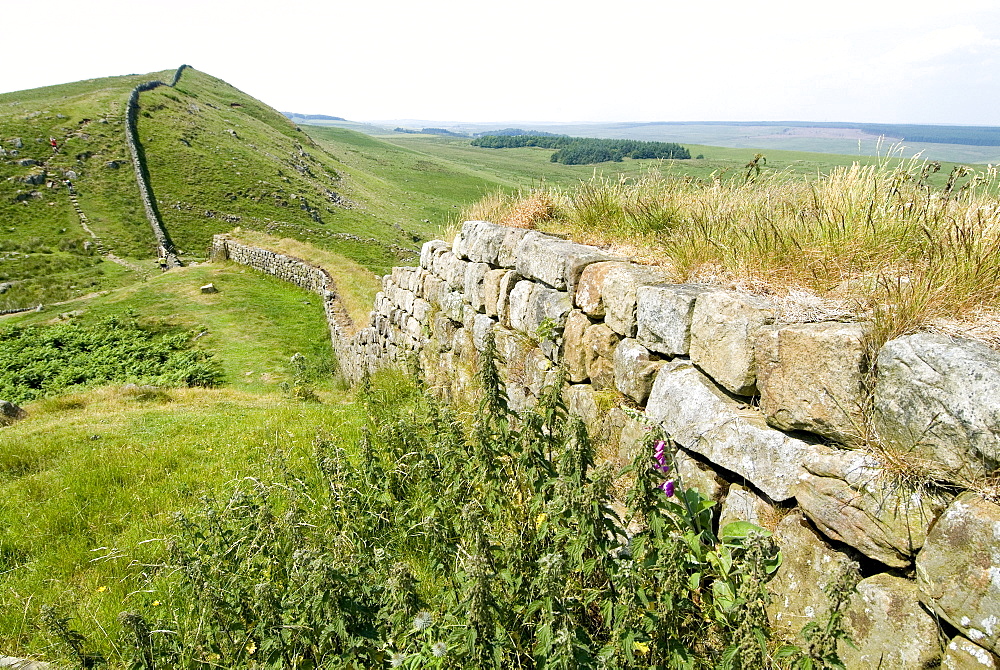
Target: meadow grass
column 91, row 476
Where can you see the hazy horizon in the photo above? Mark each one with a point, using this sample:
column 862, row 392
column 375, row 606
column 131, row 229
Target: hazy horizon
column 912, row 62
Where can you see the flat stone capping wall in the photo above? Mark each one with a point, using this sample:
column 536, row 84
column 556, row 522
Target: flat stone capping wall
column 768, row 416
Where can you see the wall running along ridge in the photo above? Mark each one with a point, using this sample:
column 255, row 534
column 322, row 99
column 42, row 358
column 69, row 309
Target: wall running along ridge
column 695, row 359
column 166, row 246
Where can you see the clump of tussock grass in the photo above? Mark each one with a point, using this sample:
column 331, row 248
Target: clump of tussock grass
column 522, row 209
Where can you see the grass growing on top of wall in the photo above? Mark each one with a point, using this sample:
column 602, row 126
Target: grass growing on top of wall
column 881, row 237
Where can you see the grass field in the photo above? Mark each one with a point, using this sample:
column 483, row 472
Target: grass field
column 91, row 475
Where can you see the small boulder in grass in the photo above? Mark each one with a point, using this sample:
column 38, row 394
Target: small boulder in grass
column 9, row 413
column 209, row 288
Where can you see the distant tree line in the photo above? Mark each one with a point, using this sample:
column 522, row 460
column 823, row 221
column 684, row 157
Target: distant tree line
column 585, row 150
column 518, row 131
column 429, row 131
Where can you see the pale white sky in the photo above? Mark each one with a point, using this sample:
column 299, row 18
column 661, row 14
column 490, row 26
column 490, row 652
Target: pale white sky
column 894, row 61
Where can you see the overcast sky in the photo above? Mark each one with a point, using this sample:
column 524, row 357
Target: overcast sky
column 894, row 61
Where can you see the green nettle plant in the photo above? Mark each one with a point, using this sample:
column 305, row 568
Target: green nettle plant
column 433, row 545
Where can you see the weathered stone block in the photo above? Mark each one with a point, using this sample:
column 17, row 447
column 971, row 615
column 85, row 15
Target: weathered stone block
column 491, row 291
column 482, row 325
column 964, row 654
column 473, row 286
column 808, row 564
column 694, row 474
column 506, row 254
column 743, row 504
column 452, row 304
column 575, row 353
column 700, row 417
column 811, row 377
column 482, row 241
column 599, row 344
column 938, row 398
column 888, row 628
column 555, row 262
column 508, row 281
column 724, row 327
column 634, row 369
column 429, row 251
column 443, row 330
column 663, row 317
column 850, row 498
column 958, row 570
column 590, row 289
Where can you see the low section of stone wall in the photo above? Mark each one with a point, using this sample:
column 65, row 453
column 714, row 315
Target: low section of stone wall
column 770, row 419
column 355, row 356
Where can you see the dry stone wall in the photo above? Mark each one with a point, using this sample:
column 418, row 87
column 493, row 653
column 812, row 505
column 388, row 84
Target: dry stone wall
column 768, row 418
column 166, row 246
column 348, row 345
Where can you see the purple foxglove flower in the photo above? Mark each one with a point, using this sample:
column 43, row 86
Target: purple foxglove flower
column 668, row 487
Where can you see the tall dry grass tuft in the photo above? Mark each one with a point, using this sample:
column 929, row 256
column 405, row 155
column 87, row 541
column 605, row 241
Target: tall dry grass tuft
column 522, row 209
column 877, row 237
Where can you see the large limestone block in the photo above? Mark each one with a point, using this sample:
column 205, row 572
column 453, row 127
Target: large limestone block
column 724, row 327
column 431, row 249
column 507, row 253
column 481, row 241
column 451, row 269
column 575, row 354
column 811, row 377
column 453, row 305
column 958, row 570
column 434, row 287
column 743, row 504
column 520, row 305
column 964, row 654
column 473, row 285
column 888, row 628
column 702, row 418
column 939, row 397
column 634, row 369
column 663, row 317
column 491, row 291
column 482, row 326
column 508, row 281
column 589, row 294
column 599, row 344
column 555, row 262
column 537, row 311
column 808, row 564
column 852, row 498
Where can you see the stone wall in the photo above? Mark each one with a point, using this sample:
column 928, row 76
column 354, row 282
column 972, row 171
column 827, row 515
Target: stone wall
column 166, row 246
column 349, row 344
column 770, row 419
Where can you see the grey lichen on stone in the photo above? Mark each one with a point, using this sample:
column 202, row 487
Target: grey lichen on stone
column 663, row 316
column 938, row 398
column 958, row 569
